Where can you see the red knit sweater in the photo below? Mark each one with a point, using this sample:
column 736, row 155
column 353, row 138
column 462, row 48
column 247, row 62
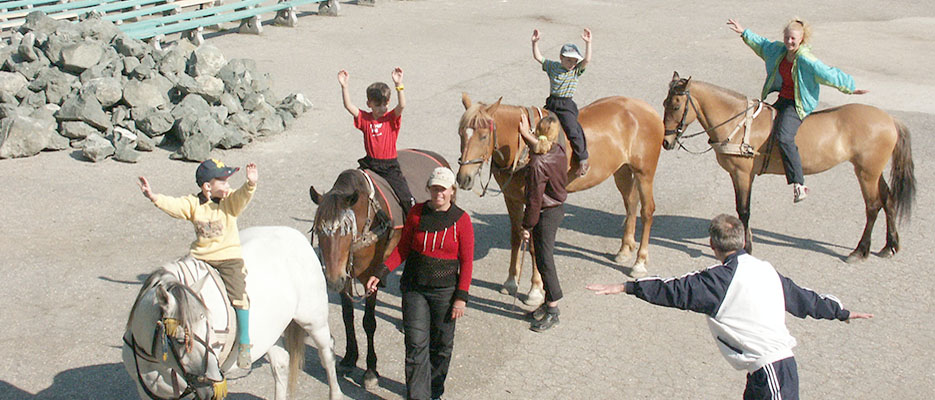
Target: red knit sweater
column 454, row 241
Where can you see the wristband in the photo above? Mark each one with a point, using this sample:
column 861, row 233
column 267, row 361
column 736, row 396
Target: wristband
column 400, row 88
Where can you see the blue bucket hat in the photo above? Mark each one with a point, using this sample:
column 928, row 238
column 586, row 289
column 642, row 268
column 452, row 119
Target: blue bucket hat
column 570, row 50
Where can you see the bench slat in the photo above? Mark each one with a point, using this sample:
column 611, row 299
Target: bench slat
column 216, row 19
column 154, row 22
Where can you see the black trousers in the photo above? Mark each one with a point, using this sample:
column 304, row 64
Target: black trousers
column 543, row 241
column 779, row 380
column 567, row 112
column 389, row 170
column 784, row 129
column 430, row 334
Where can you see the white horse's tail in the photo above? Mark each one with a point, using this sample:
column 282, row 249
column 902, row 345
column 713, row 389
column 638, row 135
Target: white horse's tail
column 295, row 345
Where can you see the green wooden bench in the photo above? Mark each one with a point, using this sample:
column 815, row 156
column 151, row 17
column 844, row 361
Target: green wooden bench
column 12, row 7
column 191, row 24
column 77, row 9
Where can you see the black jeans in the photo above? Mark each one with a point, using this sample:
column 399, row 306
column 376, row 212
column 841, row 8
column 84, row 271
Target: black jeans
column 567, row 112
column 430, row 334
column 784, row 129
column 543, row 241
column 389, row 170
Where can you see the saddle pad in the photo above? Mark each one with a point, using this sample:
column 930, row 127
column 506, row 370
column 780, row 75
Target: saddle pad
column 204, row 280
column 416, row 166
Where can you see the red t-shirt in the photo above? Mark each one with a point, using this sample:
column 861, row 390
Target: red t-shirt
column 788, row 85
column 379, row 133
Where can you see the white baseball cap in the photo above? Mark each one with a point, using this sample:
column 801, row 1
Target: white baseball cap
column 441, row 176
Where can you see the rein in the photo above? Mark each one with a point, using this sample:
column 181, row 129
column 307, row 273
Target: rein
column 680, row 129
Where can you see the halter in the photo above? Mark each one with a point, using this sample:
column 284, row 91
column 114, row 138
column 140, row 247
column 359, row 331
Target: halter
column 680, row 129
column 165, row 333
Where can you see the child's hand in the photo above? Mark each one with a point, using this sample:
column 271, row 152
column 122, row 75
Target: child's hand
column 586, row 35
column 343, row 77
column 252, row 175
column 144, row 186
column 734, row 25
column 523, row 123
column 397, row 76
column 535, row 35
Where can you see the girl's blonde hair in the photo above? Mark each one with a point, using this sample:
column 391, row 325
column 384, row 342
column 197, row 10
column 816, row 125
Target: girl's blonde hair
column 547, row 131
column 800, row 25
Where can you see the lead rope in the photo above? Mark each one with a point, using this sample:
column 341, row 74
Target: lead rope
column 523, row 247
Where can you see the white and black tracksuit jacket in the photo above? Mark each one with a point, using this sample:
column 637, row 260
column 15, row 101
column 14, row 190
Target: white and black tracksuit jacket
column 746, row 301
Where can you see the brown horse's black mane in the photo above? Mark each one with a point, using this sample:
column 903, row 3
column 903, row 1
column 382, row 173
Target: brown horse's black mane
column 340, row 197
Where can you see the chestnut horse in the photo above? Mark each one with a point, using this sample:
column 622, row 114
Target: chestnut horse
column 865, row 136
column 356, row 235
column 624, row 139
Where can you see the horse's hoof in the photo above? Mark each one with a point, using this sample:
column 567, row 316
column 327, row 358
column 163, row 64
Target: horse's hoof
column 638, row 270
column 535, row 297
column 509, row 287
column 855, row 257
column 887, row 252
column 622, row 257
column 371, row 379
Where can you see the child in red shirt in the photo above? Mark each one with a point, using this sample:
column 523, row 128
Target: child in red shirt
column 381, row 129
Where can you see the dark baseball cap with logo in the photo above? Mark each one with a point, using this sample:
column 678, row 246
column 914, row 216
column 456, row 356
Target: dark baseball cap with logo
column 212, row 169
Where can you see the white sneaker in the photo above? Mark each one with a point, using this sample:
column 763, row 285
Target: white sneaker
column 800, row 192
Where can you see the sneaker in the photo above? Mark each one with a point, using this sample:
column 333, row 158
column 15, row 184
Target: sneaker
column 583, row 167
column 538, row 313
column 243, row 356
column 546, row 323
column 800, row 192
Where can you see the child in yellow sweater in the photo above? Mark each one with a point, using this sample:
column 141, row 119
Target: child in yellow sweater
column 214, row 213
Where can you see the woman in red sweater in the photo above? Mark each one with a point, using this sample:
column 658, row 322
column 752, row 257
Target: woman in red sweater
column 437, row 244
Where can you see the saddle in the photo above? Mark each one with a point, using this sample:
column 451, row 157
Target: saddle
column 205, row 281
column 416, row 166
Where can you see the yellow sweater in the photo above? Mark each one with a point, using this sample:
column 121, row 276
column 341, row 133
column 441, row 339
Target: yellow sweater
column 216, row 233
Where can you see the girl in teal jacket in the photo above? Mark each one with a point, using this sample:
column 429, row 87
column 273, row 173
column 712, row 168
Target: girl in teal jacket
column 796, row 74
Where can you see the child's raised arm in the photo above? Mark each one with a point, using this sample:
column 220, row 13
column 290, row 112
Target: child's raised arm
column 147, row 191
column 535, row 46
column 401, row 96
column 586, row 36
column 343, row 77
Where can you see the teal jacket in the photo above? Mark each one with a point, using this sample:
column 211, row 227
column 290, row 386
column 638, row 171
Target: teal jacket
column 807, row 71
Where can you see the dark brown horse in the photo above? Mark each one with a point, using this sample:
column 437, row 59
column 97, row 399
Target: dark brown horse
column 358, row 224
column 624, row 140
column 865, row 136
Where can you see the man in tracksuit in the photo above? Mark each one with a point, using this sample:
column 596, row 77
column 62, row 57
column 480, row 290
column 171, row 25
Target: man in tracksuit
column 746, row 301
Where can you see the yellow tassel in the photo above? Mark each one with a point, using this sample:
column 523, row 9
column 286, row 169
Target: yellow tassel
column 220, row 390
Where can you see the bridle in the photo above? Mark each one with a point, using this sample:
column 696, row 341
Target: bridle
column 166, row 333
column 680, row 129
column 488, row 155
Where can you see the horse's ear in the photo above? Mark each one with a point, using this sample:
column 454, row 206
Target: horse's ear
column 493, row 107
column 316, row 197
column 687, row 81
column 675, row 76
column 465, row 100
column 162, row 297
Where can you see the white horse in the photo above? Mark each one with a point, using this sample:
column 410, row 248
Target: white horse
column 167, row 345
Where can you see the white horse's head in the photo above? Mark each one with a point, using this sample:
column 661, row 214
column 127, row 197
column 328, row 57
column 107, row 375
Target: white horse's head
column 166, row 347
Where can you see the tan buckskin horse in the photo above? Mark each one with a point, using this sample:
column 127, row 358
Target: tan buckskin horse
column 865, row 136
column 624, row 139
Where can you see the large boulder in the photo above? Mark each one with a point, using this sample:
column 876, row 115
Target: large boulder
column 207, row 60
column 77, row 130
column 237, row 76
column 96, row 148
column 144, row 94
column 38, row 22
column 196, row 148
column 82, row 55
column 296, row 104
column 187, row 112
column 153, row 122
column 84, row 108
column 131, row 47
column 107, row 90
column 22, row 136
column 125, row 146
column 56, row 84
column 12, row 82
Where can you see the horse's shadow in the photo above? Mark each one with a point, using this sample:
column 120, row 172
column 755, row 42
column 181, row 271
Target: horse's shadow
column 110, row 382
column 682, row 233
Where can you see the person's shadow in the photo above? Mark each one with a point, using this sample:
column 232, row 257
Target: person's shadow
column 102, row 381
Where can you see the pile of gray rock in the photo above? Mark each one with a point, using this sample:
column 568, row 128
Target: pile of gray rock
column 88, row 86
